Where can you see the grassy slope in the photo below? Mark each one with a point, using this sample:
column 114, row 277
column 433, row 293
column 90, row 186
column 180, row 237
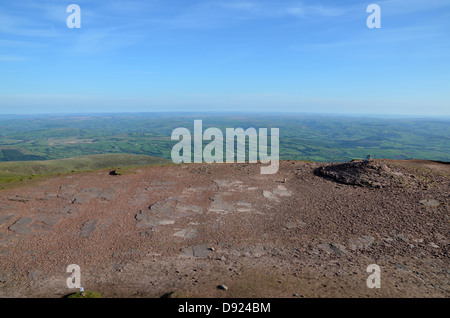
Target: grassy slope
column 11, row 172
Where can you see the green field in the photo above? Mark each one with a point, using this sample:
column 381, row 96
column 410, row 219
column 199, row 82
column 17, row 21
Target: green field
column 36, row 139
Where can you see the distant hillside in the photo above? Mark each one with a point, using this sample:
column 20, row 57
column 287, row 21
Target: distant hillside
column 24, row 170
column 302, row 137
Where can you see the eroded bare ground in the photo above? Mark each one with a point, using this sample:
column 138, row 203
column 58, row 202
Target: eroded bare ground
column 190, row 228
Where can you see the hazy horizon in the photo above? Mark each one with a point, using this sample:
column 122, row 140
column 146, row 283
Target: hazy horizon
column 191, row 113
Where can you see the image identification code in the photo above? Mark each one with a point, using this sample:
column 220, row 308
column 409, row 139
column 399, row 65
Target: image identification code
column 225, row 308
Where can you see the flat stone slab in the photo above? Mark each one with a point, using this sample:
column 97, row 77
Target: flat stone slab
column 363, row 242
column 19, row 199
column 108, row 194
column 189, row 209
column 269, row 195
column 89, row 193
column 430, row 203
column 67, row 210
column 282, row 191
column 5, row 218
column 200, row 251
column 227, row 183
column 186, row 233
column 401, row 267
column 88, row 227
column 40, row 227
column 165, row 213
column 244, row 207
column 50, row 220
column 48, row 196
column 166, row 222
column 333, row 248
column 5, row 238
column 220, row 206
column 21, row 226
column 6, row 207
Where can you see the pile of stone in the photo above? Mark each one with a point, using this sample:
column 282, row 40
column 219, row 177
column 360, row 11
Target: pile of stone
column 365, row 173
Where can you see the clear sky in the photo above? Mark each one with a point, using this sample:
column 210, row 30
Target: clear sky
column 225, row 55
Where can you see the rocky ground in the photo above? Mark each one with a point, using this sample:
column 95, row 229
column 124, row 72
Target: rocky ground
column 311, row 230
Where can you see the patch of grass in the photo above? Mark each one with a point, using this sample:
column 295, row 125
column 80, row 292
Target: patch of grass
column 86, row 294
column 12, row 173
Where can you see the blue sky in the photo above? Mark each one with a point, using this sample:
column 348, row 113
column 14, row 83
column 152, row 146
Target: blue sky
column 225, row 55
